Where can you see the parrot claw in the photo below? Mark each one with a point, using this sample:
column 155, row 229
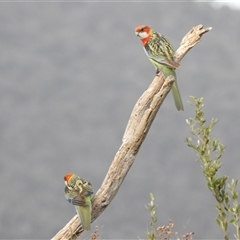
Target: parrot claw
column 69, row 200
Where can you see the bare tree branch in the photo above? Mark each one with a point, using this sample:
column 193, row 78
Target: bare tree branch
column 138, row 126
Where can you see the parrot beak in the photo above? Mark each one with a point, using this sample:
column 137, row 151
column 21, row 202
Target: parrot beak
column 65, row 183
column 137, row 34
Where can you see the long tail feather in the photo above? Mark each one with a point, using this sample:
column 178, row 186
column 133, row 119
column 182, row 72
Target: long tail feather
column 176, row 96
column 85, row 216
column 175, row 90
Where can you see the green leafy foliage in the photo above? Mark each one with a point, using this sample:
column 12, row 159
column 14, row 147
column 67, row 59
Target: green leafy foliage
column 210, row 150
column 152, row 234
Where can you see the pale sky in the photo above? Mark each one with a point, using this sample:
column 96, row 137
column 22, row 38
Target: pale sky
column 233, row 4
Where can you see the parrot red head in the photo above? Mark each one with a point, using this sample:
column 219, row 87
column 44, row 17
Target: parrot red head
column 67, row 177
column 144, row 33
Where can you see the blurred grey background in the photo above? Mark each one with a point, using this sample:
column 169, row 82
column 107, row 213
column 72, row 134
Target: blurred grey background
column 70, row 74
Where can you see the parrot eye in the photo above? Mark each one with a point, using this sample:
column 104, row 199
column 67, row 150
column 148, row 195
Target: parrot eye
column 142, row 30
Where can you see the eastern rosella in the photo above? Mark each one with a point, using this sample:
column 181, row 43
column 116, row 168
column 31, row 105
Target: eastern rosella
column 78, row 192
column 160, row 52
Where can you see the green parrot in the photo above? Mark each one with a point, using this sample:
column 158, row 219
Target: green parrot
column 160, row 52
column 78, row 192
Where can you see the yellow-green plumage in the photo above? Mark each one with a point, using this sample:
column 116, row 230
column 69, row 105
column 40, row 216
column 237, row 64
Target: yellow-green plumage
column 160, row 52
column 78, row 192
